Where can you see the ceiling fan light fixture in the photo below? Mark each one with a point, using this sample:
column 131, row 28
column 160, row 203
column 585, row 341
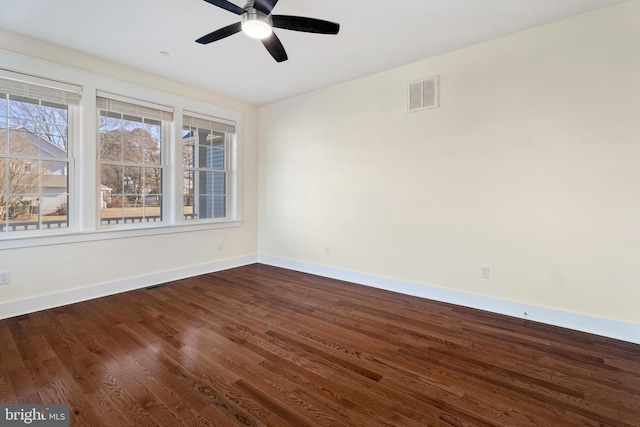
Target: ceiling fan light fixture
column 256, row 24
column 259, row 24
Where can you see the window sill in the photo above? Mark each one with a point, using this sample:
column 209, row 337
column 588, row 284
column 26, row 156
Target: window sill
column 33, row 240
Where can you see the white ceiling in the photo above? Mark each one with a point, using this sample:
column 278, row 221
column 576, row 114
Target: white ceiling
column 375, row 35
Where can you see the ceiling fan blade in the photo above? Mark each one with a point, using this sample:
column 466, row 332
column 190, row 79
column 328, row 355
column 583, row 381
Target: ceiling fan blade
column 308, row 25
column 216, row 35
column 265, row 6
column 226, row 5
column 275, row 48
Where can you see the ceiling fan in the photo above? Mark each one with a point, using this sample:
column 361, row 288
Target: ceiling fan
column 258, row 22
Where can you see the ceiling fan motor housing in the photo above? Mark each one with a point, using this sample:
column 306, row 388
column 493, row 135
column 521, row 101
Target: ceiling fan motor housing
column 255, row 23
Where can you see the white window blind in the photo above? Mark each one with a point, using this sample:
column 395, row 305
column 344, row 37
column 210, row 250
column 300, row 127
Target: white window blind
column 134, row 108
column 42, row 92
column 202, row 122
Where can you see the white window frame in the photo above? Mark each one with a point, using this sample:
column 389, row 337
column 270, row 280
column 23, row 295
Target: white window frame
column 146, row 110
column 49, row 90
column 230, row 160
column 83, row 169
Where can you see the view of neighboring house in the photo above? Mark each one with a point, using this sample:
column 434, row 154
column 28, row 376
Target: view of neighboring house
column 48, row 190
column 48, row 195
column 206, row 155
column 45, row 196
column 105, row 195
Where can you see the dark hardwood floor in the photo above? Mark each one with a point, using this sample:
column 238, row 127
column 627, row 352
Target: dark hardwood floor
column 259, row 345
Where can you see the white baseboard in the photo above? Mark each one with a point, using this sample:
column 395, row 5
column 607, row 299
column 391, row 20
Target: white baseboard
column 606, row 327
column 57, row 299
column 599, row 326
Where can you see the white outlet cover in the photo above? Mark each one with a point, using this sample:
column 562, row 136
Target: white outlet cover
column 484, row 272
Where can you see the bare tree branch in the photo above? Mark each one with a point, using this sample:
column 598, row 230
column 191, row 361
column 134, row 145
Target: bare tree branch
column 21, row 175
column 45, row 119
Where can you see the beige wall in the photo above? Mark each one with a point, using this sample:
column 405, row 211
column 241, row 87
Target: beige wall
column 132, row 261
column 530, row 166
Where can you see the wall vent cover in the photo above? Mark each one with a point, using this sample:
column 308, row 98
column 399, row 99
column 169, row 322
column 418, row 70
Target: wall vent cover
column 424, row 94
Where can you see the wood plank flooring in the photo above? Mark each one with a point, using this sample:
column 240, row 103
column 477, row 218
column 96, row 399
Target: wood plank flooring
column 259, row 346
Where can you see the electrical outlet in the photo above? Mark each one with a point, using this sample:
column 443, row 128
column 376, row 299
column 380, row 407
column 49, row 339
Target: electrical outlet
column 4, row 277
column 327, row 250
column 220, row 245
column 484, row 271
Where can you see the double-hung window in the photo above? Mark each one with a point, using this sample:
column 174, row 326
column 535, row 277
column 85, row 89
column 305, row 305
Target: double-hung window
column 38, row 123
column 206, row 160
column 69, row 167
column 131, row 147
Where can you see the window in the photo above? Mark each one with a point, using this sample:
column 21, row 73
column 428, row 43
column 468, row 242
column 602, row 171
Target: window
column 131, row 160
column 206, row 160
column 75, row 169
column 36, row 135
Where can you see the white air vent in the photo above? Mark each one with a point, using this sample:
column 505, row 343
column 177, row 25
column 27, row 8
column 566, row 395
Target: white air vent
column 423, row 94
